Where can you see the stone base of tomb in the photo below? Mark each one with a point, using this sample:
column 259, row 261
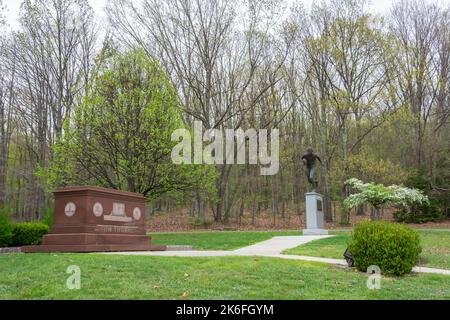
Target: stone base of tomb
column 93, row 242
column 93, row 219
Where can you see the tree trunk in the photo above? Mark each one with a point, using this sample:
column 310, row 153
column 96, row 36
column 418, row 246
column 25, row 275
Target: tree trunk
column 375, row 214
column 360, row 210
column 2, row 176
column 327, row 207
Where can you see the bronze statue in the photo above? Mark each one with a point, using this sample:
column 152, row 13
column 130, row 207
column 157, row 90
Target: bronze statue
column 309, row 160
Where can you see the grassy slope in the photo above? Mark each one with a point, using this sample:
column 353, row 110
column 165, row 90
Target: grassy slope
column 435, row 248
column 43, row 276
column 218, row 240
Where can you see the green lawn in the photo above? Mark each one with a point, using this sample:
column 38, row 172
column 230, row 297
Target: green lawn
column 325, row 248
column 43, row 276
column 435, row 247
column 217, row 240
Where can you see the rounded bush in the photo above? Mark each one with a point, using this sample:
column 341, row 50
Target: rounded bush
column 392, row 247
column 28, row 234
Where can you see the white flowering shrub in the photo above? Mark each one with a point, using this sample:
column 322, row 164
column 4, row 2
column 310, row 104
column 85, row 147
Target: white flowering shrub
column 379, row 196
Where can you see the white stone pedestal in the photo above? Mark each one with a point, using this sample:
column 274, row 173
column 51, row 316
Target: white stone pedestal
column 314, row 215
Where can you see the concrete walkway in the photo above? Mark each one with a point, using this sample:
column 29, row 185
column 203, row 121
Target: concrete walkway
column 276, row 245
column 272, row 248
column 431, row 270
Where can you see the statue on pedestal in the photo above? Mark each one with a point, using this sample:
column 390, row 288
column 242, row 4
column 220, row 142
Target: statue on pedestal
column 309, row 160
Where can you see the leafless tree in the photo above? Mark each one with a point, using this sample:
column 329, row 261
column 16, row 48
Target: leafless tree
column 51, row 58
column 223, row 68
column 421, row 31
column 6, row 108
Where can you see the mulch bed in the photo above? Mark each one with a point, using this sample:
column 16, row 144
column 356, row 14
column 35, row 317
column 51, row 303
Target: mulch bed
column 183, row 221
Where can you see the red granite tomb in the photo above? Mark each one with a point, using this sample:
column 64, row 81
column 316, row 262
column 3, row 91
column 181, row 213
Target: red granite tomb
column 93, row 219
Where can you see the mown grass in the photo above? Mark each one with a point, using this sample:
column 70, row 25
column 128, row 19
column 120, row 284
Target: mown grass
column 217, row 240
column 435, row 243
column 43, row 276
column 435, row 247
column 333, row 247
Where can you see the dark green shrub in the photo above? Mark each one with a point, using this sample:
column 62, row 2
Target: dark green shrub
column 420, row 213
column 393, row 247
column 28, row 234
column 5, row 228
column 434, row 211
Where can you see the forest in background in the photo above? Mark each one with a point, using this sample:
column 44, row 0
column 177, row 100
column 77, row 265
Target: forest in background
column 369, row 93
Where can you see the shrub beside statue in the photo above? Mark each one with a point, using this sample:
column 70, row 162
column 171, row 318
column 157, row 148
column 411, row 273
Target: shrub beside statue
column 394, row 248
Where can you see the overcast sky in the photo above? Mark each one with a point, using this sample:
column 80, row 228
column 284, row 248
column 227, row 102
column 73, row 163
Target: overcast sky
column 13, row 6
